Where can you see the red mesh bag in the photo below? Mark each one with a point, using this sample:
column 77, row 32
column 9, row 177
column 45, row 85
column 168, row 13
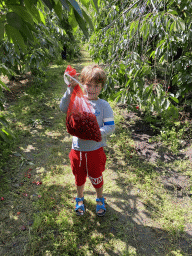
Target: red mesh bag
column 81, row 121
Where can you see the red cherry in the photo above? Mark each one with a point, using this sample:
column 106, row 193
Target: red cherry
column 137, row 107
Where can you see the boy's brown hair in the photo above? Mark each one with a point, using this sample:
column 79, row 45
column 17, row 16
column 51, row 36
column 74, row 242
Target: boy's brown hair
column 93, row 73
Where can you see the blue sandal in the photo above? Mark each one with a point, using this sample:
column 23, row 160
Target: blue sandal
column 98, row 207
column 81, row 207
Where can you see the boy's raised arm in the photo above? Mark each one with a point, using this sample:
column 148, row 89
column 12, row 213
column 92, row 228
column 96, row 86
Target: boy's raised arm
column 64, row 103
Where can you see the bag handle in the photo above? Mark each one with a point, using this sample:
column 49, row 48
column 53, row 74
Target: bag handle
column 67, row 81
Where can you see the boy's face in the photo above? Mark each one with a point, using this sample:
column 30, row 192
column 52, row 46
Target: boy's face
column 92, row 90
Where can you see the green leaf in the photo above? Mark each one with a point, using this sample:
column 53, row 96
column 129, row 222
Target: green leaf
column 166, row 104
column 6, row 135
column 14, row 20
column 4, row 85
column 22, row 12
column 5, row 70
column 87, row 18
column 158, row 91
column 181, row 24
column 177, row 123
column 31, row 27
column 171, row 27
column 167, row 23
column 76, row 7
column 86, row 3
column 152, row 54
column 33, row 11
column 3, row 136
column 81, row 23
column 58, row 10
column 65, row 4
column 26, row 32
column 95, row 5
column 175, row 99
column 16, row 37
column 157, row 104
column 3, row 18
column 1, row 106
column 162, row 59
column 175, row 79
column 42, row 17
column 133, row 27
column 118, row 96
column 174, row 12
column 49, row 4
column 3, row 121
column 128, row 82
column 2, row 28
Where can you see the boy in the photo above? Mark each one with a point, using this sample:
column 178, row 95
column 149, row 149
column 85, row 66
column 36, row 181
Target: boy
column 87, row 156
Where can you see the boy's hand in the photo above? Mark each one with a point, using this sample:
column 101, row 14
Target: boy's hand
column 72, row 82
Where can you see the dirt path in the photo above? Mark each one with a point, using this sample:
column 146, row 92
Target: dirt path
column 132, row 225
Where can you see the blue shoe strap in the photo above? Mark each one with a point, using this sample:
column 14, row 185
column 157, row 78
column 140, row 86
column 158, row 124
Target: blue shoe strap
column 78, row 199
column 102, row 199
column 80, row 207
column 99, row 207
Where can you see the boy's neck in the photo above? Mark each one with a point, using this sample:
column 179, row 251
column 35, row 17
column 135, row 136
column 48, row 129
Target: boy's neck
column 94, row 99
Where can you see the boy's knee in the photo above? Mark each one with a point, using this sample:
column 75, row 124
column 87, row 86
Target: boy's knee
column 97, row 182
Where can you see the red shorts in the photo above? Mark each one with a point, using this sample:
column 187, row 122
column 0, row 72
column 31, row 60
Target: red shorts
column 88, row 163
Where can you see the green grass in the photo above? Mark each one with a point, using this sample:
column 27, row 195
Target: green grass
column 143, row 217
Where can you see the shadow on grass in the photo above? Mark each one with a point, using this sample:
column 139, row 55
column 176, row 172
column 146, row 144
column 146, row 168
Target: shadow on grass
column 58, row 230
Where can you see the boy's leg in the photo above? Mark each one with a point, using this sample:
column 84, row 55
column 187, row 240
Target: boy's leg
column 96, row 166
column 80, row 190
column 79, row 171
column 99, row 192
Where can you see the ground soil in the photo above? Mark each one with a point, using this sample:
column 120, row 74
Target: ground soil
column 142, row 133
